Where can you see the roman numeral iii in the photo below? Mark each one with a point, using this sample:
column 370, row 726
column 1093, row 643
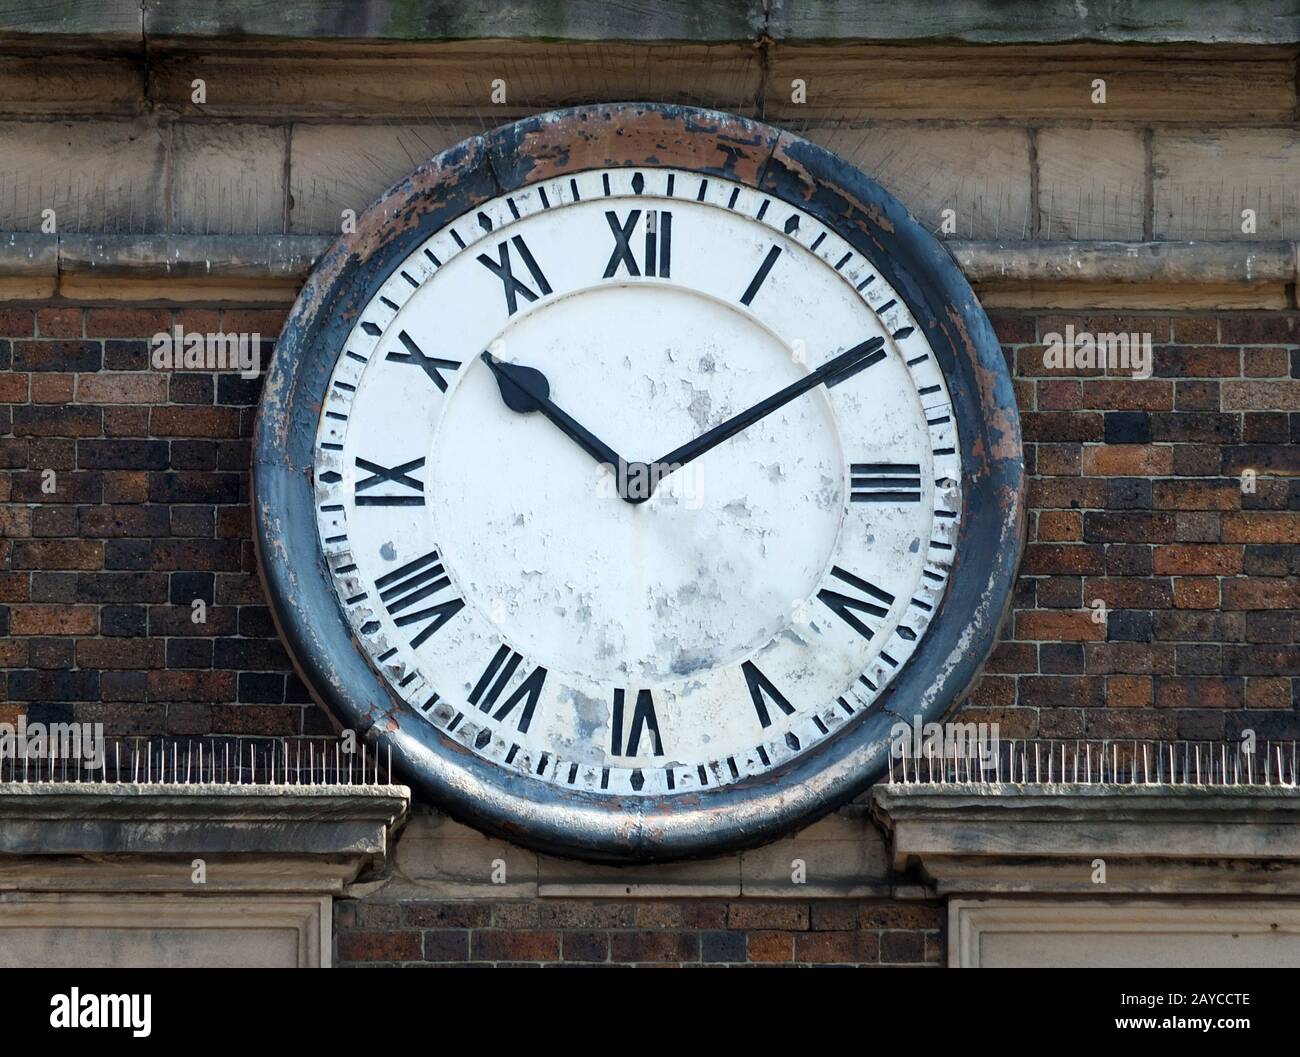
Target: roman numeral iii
column 503, row 269
column 658, row 243
column 885, row 482
column 413, row 583
column 644, row 721
column 486, row 692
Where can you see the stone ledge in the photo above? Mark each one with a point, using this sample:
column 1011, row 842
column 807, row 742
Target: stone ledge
column 987, row 263
column 123, row 837
column 1153, row 839
column 1263, row 21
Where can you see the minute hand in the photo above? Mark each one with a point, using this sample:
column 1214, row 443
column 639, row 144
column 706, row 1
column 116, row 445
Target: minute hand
column 830, row 372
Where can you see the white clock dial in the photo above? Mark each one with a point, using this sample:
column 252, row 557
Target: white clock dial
column 498, row 575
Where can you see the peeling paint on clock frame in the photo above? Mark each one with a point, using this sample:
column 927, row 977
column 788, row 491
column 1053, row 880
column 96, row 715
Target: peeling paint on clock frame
column 575, row 823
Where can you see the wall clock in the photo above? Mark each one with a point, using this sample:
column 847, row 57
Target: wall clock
column 629, row 472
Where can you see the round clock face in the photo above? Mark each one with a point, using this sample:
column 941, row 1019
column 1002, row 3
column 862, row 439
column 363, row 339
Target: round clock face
column 495, row 570
column 640, row 486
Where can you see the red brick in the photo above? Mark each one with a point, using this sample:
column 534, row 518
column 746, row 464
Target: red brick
column 1196, row 330
column 837, row 948
column 113, row 388
column 1058, row 625
column 1133, row 395
column 1202, row 559
column 1059, row 395
column 1129, row 691
column 17, row 323
column 774, row 914
column 1259, row 526
column 54, row 620
column 168, row 685
column 379, row 946
column 1060, row 526
column 58, row 554
column 264, row 321
column 1261, row 594
column 1264, row 692
column 769, row 947
column 1196, row 495
column 1267, row 363
column 58, row 322
column 1198, row 693
column 1196, row 593
column 127, row 322
column 14, row 388
column 52, row 388
column 215, row 422
column 1127, row 460
column 1043, row 559
column 654, row 946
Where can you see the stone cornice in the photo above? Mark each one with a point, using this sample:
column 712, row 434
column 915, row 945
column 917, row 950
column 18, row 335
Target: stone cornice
column 1151, row 839
column 134, row 837
column 990, row 265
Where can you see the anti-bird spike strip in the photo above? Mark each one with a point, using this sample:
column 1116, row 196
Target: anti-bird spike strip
column 193, row 762
column 1054, row 765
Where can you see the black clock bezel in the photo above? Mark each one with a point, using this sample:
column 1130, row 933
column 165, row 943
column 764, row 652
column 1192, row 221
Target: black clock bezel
column 575, row 823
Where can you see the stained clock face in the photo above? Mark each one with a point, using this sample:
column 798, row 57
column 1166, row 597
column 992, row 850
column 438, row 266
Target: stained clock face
column 502, row 575
column 633, row 483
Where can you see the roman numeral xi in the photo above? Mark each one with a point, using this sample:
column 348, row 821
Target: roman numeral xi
column 503, row 269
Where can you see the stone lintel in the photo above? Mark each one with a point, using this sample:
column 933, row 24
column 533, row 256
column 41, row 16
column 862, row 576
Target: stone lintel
column 1095, row 840
column 124, row 837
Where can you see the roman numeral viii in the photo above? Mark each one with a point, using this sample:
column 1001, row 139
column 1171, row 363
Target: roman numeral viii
column 658, row 243
column 486, row 692
column 503, row 269
column 412, row 584
column 885, row 482
column 847, row 607
column 643, row 720
column 397, row 475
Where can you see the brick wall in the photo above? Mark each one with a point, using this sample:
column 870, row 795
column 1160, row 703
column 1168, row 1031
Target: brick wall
column 149, row 512
column 1136, row 500
column 660, row 932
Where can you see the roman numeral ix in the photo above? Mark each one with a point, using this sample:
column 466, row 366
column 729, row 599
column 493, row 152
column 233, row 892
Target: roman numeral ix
column 503, row 269
column 503, row 665
column 658, row 243
column 413, row 583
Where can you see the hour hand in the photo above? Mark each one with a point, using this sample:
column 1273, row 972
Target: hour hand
column 525, row 389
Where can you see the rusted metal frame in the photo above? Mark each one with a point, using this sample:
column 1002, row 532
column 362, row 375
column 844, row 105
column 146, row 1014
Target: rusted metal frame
column 574, row 823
